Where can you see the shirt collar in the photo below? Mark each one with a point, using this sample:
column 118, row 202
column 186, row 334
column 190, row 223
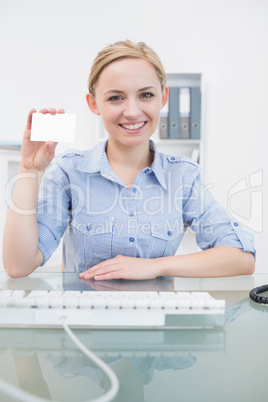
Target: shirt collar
column 93, row 159
column 96, row 160
column 157, row 165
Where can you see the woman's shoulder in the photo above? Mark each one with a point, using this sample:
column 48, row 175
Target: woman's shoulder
column 69, row 159
column 72, row 153
column 73, row 158
column 179, row 163
column 183, row 160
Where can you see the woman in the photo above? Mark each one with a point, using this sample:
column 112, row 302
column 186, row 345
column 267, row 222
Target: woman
column 122, row 207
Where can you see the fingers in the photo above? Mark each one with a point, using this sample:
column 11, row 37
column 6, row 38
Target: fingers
column 104, row 268
column 29, row 119
column 50, row 147
column 93, row 273
column 107, row 277
column 28, row 127
column 51, row 110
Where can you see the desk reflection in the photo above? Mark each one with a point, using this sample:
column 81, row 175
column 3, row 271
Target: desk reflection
column 134, row 355
column 71, row 281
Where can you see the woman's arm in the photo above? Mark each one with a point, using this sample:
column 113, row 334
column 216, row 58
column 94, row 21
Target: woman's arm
column 20, row 243
column 215, row 262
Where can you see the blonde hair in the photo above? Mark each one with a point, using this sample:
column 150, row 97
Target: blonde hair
column 123, row 50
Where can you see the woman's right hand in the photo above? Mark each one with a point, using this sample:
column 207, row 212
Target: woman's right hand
column 37, row 155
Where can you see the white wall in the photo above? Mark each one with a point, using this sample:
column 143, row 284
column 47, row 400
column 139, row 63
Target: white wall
column 46, row 50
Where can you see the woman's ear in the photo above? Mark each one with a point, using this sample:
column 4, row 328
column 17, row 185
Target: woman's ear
column 164, row 96
column 92, row 104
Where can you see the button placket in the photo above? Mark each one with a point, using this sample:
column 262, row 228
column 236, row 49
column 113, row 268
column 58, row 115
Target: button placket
column 131, row 204
column 132, row 227
column 131, row 222
column 130, row 207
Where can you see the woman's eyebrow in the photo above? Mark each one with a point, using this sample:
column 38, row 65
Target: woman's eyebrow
column 146, row 88
column 116, row 91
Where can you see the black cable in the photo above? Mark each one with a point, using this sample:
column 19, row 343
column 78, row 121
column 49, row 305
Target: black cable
column 254, row 294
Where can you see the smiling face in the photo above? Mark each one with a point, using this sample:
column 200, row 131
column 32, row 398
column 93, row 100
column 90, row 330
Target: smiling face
column 128, row 97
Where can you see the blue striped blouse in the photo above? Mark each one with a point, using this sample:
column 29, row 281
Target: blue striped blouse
column 100, row 217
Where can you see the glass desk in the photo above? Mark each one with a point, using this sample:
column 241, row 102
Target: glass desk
column 220, row 365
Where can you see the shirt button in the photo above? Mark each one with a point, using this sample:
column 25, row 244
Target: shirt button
column 88, row 227
column 173, row 158
column 131, row 214
column 131, row 239
column 169, row 233
column 236, row 224
column 146, row 170
column 134, row 190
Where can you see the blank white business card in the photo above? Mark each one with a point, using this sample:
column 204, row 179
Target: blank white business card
column 59, row 127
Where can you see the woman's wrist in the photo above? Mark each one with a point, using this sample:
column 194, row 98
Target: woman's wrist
column 25, row 169
column 163, row 266
column 30, row 173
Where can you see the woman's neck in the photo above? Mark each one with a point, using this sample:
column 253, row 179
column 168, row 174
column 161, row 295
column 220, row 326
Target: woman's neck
column 128, row 161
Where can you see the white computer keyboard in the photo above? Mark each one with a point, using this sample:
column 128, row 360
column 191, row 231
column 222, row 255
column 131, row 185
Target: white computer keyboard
column 105, row 309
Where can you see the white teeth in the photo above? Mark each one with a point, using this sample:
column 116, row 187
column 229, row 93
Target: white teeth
column 133, row 126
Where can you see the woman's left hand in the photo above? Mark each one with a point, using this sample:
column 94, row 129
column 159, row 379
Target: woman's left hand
column 121, row 267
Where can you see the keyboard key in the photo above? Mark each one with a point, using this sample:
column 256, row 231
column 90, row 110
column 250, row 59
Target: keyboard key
column 142, row 303
column 70, row 302
column 18, row 294
column 128, row 303
column 99, row 302
column 42, row 302
column 156, row 303
column 170, row 303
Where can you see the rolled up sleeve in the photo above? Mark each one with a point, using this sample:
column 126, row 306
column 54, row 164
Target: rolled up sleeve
column 211, row 222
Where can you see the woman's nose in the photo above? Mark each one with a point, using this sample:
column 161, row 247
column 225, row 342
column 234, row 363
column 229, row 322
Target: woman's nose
column 132, row 109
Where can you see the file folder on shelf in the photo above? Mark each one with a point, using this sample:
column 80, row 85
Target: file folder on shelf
column 184, row 113
column 163, row 126
column 173, row 117
column 195, row 107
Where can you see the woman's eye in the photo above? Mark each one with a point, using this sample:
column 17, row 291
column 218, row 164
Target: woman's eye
column 115, row 98
column 147, row 95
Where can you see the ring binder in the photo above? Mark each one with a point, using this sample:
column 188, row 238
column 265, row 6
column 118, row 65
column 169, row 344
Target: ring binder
column 184, row 113
column 173, row 117
column 195, row 106
column 163, row 126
